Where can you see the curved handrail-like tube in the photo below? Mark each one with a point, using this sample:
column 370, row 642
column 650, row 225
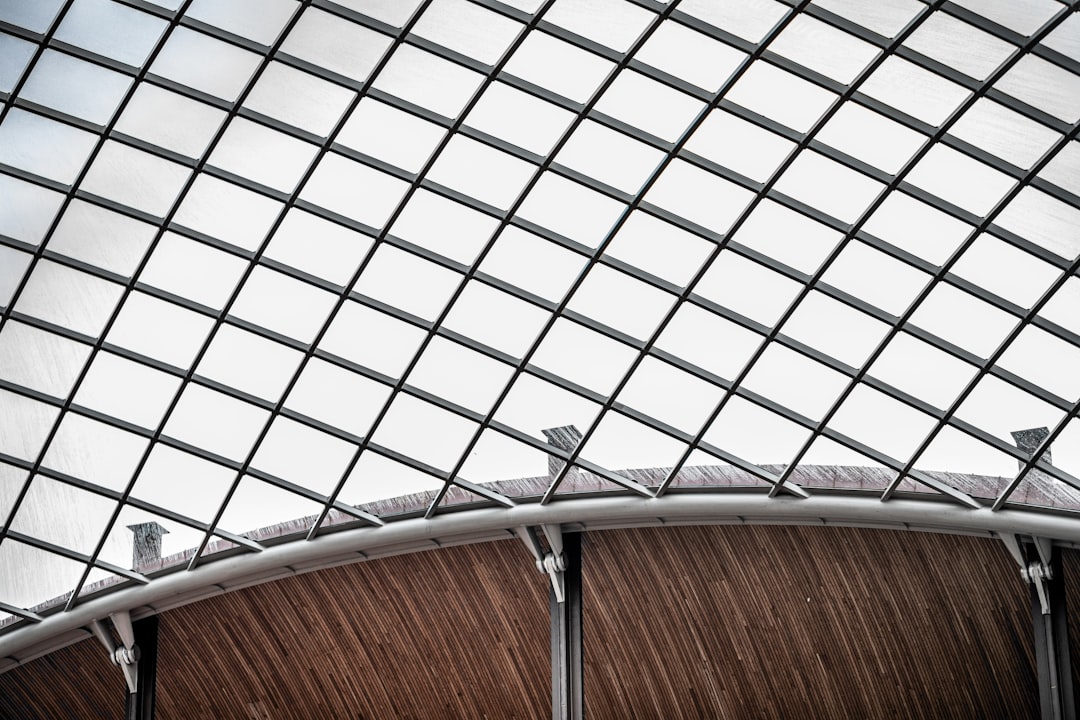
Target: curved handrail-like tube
column 487, row 524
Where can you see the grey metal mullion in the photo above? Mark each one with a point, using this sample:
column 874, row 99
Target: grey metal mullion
column 1022, row 243
column 20, row 612
column 1008, row 35
column 73, row 555
column 225, row 36
column 7, row 314
column 57, row 115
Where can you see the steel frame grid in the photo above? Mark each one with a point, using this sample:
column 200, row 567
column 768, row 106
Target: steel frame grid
column 590, row 46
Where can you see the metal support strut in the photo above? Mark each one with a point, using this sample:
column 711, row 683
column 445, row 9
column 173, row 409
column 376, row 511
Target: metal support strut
column 562, row 563
column 136, row 656
column 1040, row 568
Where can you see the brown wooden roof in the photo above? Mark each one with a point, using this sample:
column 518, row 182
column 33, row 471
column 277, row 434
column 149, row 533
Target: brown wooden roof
column 726, row 621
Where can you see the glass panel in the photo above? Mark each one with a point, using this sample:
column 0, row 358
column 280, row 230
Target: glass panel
column 391, row 135
column 279, row 303
column 26, row 425
column 354, row 190
column 958, row 179
column 570, row 209
column 959, row 45
column 426, row 80
column 1065, row 38
column 749, row 20
column 567, row 341
column 613, row 23
column 1049, row 363
column 690, row 55
column 460, row 375
column 708, row 341
column 912, row 90
column 1064, row 168
column 338, row 397
column 75, row 87
column 739, row 145
column 960, row 318
column 748, row 288
column 424, row 432
column 427, row 293
column 263, row 155
column 220, row 424
column 160, row 330
column 26, row 211
column 111, row 29
column 193, row 270
column 375, row 479
column 922, row 370
column 792, row 238
column 999, row 409
column 534, row 405
column 135, row 178
column 227, row 212
column 649, row 105
column 36, row 16
column 394, row 12
column 871, row 137
column 1024, row 19
column 533, row 264
column 258, row 20
column 958, row 452
column 444, row 226
column 1026, row 279
column 754, row 434
column 13, row 264
column 914, row 226
column 318, row 247
column 102, row 237
column 14, row 53
column 354, row 323
column 699, row 196
column 467, row 29
column 884, row 18
column 63, row 515
column 299, row 99
column 1005, row 133
column 780, row 96
column 146, row 542
column 67, row 297
column 670, row 395
column 33, row 578
column 508, row 464
column 95, row 452
column 828, row 325
column 795, row 381
column 516, row 117
column 336, row 44
column 249, row 363
column 1044, row 85
column 1061, row 308
column 1044, row 220
column 496, row 319
column 40, row 360
column 481, row 172
column 828, row 186
column 127, row 390
column 660, row 248
column 876, row 420
column 639, row 307
column 206, row 64
column 823, row 48
column 620, row 443
column 260, row 510
column 183, row 483
column 563, row 68
column 303, row 455
column 169, row 120
column 12, row 480
column 44, row 147
column 609, row 156
column 873, row 276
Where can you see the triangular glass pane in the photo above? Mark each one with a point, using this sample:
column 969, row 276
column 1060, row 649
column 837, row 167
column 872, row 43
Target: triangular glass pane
column 457, row 496
column 967, row 464
column 702, row 469
column 1038, row 488
column 828, row 464
column 100, row 580
column 507, row 466
column 260, row 510
column 382, row 486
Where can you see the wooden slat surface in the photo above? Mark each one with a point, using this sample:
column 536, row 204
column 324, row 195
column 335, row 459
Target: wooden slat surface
column 78, row 681
column 455, row 633
column 1070, row 566
column 801, row 622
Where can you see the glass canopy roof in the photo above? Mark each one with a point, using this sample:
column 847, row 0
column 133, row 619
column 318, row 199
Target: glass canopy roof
column 271, row 268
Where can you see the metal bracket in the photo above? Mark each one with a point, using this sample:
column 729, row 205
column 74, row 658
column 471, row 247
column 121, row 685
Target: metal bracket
column 126, row 655
column 1037, row 572
column 553, row 560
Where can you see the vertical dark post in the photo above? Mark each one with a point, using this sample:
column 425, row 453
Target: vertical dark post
column 140, row 704
column 1056, row 699
column 567, row 686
